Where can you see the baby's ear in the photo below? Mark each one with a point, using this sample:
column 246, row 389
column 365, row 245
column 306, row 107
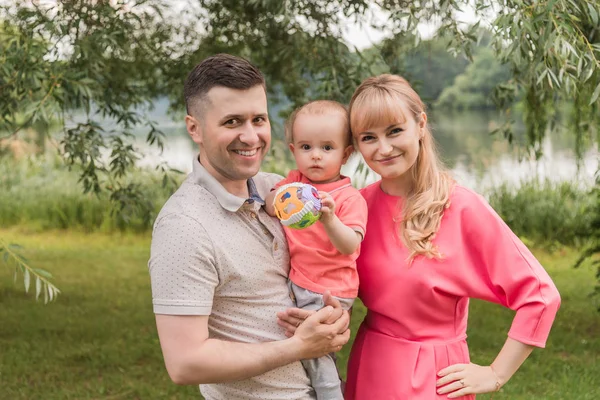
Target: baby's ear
column 347, row 153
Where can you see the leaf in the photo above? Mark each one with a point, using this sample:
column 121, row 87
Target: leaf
column 38, row 287
column 593, row 13
column 589, row 71
column 26, row 279
column 43, row 273
column 595, row 94
column 541, row 77
column 554, row 78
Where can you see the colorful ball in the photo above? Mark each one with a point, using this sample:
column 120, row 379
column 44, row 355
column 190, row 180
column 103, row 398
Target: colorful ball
column 297, row 205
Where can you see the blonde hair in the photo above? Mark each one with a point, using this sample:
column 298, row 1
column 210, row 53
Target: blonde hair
column 376, row 102
column 318, row 107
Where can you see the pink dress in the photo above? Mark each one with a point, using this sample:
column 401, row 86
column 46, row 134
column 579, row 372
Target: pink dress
column 417, row 315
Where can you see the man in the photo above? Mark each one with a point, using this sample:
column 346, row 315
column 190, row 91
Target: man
column 219, row 263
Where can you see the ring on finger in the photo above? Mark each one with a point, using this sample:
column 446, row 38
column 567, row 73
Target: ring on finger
column 462, row 383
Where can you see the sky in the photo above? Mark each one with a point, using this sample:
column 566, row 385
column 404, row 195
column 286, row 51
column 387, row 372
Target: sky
column 363, row 36
column 356, row 34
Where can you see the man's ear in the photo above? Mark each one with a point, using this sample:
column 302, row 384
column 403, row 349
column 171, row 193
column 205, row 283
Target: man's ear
column 347, row 153
column 194, row 129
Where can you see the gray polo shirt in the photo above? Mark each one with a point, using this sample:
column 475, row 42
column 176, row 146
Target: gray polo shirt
column 217, row 254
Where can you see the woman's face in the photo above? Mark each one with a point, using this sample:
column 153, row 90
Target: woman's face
column 392, row 149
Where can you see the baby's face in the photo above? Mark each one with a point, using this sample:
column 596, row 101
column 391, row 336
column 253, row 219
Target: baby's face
column 320, row 146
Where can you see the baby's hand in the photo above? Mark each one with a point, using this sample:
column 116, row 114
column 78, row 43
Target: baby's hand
column 327, row 207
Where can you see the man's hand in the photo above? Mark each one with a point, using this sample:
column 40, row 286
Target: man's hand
column 291, row 318
column 325, row 331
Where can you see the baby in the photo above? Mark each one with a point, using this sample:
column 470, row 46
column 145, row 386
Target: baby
column 323, row 256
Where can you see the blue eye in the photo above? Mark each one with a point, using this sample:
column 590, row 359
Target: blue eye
column 396, row 131
column 366, row 138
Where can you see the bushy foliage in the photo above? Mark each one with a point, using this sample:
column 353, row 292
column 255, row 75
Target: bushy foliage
column 473, row 89
column 592, row 251
column 545, row 213
column 59, row 202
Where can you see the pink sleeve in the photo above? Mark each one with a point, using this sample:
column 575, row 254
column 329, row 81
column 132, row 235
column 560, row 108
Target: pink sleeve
column 293, row 176
column 353, row 213
column 505, row 272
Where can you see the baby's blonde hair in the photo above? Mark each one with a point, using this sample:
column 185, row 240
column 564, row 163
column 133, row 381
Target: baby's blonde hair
column 376, row 102
column 318, row 107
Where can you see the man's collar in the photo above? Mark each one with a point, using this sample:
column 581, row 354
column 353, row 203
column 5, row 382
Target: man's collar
column 228, row 201
column 253, row 192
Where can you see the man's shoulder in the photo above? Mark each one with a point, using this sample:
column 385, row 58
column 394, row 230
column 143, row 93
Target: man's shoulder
column 192, row 201
column 269, row 177
column 265, row 181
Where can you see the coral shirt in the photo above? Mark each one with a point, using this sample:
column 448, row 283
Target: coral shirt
column 315, row 263
column 417, row 315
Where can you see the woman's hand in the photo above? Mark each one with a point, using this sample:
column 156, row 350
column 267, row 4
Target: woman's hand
column 463, row 379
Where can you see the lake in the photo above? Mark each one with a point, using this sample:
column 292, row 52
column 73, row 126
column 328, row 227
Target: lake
column 477, row 159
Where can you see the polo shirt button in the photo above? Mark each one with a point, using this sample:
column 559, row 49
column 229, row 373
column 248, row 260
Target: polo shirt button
column 253, row 215
column 276, row 247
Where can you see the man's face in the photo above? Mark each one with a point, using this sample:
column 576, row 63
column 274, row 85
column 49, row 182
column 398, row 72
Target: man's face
column 232, row 131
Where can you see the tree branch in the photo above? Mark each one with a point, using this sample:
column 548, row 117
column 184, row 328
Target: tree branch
column 54, row 84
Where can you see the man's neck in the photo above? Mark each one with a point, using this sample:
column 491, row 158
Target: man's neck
column 237, row 188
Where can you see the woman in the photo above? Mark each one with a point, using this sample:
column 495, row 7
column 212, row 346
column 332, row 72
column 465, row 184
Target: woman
column 430, row 246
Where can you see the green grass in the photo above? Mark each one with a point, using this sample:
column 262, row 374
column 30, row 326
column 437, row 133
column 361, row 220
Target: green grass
column 99, row 341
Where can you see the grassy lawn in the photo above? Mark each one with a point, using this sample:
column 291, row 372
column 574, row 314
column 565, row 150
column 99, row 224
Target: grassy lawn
column 99, row 341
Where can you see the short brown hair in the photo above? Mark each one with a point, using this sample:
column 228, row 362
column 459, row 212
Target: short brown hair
column 318, row 107
column 220, row 70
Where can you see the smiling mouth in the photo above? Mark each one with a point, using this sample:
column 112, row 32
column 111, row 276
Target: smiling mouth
column 246, row 153
column 390, row 158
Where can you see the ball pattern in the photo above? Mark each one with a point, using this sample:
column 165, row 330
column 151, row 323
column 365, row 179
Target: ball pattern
column 297, row 205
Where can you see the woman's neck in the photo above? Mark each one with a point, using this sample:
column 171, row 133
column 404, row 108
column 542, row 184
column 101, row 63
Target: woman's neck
column 399, row 187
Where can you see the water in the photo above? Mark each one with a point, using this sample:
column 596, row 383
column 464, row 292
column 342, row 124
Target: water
column 477, row 159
